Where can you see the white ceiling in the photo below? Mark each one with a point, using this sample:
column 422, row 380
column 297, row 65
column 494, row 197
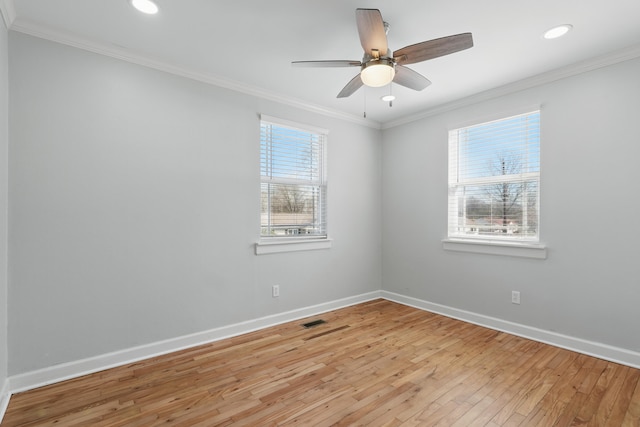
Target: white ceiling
column 249, row 44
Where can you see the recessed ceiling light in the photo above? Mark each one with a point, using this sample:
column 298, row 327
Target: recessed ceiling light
column 558, row 31
column 145, row 6
column 388, row 98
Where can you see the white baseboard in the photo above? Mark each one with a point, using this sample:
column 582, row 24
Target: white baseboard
column 65, row 371
column 591, row 348
column 53, row 374
column 5, row 395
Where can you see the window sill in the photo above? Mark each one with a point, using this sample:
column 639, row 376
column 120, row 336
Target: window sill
column 265, row 247
column 517, row 249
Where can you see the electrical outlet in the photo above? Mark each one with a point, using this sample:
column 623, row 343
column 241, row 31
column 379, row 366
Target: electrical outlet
column 515, row 297
column 275, row 291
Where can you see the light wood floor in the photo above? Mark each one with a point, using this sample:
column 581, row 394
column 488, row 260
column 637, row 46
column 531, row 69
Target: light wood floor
column 374, row 364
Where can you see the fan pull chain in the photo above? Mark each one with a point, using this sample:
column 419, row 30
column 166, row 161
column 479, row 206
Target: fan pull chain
column 364, row 107
column 390, row 93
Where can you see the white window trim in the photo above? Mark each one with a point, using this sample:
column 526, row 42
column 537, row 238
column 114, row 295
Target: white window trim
column 507, row 248
column 498, row 115
column 273, row 246
column 527, row 248
column 294, row 125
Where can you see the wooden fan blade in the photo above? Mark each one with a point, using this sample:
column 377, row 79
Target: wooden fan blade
column 433, row 48
column 371, row 30
column 351, row 87
column 330, row 63
column 408, row 78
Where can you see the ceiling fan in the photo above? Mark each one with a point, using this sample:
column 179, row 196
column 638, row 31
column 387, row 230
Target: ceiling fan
column 379, row 66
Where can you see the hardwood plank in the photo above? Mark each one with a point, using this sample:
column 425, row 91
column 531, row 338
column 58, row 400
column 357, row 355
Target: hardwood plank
column 607, row 407
column 475, row 416
column 378, row 363
column 622, row 406
column 632, row 415
column 606, row 384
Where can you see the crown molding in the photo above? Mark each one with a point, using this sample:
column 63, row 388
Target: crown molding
column 66, row 38
column 8, row 12
column 602, row 61
column 69, row 39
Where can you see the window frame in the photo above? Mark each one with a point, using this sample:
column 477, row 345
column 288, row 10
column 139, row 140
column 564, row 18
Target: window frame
column 529, row 247
column 268, row 244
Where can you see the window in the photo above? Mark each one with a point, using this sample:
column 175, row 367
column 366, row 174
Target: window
column 494, row 180
column 292, row 180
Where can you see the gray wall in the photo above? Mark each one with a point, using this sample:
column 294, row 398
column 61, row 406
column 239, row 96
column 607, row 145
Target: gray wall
column 135, row 207
column 135, row 201
column 4, row 144
column 589, row 285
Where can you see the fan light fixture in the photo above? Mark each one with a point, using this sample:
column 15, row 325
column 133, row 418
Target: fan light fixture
column 379, row 64
column 558, row 31
column 377, row 73
column 388, row 98
column 145, row 6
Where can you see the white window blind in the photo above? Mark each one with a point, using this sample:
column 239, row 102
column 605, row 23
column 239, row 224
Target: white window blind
column 293, row 180
column 494, row 179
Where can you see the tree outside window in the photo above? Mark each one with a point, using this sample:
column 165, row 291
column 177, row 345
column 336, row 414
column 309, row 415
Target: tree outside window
column 494, row 175
column 293, row 180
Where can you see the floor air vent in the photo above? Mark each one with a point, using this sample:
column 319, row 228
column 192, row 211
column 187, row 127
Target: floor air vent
column 314, row 323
